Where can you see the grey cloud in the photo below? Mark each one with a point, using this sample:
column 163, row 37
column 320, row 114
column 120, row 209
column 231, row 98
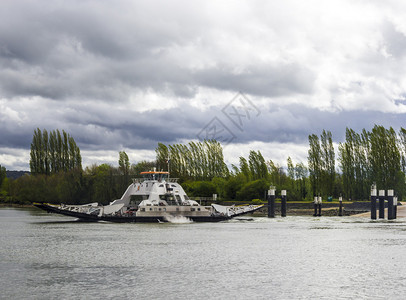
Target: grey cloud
column 95, row 127
column 265, row 80
column 93, row 50
column 395, row 41
column 294, row 123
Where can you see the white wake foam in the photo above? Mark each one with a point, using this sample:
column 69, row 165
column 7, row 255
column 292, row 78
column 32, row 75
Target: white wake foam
column 177, row 219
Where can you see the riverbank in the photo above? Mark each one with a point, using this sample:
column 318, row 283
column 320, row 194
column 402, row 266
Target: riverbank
column 307, row 209
column 401, row 212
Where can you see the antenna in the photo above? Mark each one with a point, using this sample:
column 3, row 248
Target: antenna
column 168, row 161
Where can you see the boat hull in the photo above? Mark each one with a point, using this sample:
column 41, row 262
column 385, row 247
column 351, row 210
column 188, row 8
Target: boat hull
column 132, row 219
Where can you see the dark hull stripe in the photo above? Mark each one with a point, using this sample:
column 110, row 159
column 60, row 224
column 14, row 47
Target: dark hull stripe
column 133, row 219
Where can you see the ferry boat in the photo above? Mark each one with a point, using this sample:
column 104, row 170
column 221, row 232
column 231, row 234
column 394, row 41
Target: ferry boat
column 153, row 198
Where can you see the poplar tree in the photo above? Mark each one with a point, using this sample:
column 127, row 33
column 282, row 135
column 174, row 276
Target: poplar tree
column 371, row 157
column 3, row 174
column 327, row 163
column 301, row 174
column 51, row 154
column 402, row 147
column 195, row 160
column 124, row 167
column 257, row 165
column 124, row 163
column 385, row 157
column 315, row 163
column 244, row 168
column 162, row 155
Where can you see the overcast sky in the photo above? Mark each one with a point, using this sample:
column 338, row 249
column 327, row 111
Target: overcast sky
column 257, row 75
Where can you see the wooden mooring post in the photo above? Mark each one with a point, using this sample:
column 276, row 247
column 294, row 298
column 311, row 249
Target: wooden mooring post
column 390, row 205
column 315, row 202
column 373, row 203
column 381, row 204
column 319, row 204
column 340, row 208
column 271, row 202
column 395, row 207
column 390, row 198
column 283, row 203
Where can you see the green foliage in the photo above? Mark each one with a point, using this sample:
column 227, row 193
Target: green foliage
column 200, row 188
column 244, row 169
column 233, row 186
column 277, row 175
column 3, row 174
column 53, row 153
column 124, row 167
column 220, row 183
column 377, row 156
column 366, row 157
column 315, row 164
column 257, row 165
column 297, row 177
column 104, row 183
column 253, row 190
column 63, row 187
column 321, row 161
column 197, row 161
column 328, row 163
column 256, row 201
column 142, row 166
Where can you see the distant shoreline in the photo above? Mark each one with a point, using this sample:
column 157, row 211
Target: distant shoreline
column 14, row 205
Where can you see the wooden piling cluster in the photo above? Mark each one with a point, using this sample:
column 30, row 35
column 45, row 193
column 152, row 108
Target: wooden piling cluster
column 271, row 203
column 391, row 200
column 317, row 206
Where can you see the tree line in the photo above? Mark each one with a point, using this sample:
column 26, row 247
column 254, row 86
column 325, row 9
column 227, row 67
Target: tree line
column 373, row 157
column 377, row 156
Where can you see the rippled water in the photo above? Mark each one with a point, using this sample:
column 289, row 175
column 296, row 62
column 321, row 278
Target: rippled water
column 45, row 256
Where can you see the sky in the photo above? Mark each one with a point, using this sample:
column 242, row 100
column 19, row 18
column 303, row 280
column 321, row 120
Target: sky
column 256, row 75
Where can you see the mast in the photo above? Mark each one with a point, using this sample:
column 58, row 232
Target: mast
column 168, row 161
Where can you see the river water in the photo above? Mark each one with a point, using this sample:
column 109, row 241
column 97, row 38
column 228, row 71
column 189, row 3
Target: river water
column 45, row 256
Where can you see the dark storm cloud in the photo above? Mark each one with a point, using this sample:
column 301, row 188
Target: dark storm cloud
column 294, row 123
column 100, row 51
column 263, row 80
column 95, row 127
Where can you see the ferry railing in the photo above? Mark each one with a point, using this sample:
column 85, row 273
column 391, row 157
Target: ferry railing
column 205, row 200
column 169, row 180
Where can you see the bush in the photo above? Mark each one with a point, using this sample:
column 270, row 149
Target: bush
column 233, row 186
column 253, row 190
column 200, row 188
column 256, row 201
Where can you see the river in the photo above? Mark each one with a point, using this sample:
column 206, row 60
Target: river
column 45, row 256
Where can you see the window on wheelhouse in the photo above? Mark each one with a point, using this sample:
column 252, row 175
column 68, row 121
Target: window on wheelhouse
column 178, row 199
column 136, row 199
column 169, row 198
column 159, row 176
